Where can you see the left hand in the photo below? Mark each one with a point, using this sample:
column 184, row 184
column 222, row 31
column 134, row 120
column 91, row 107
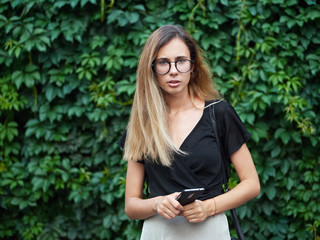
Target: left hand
column 195, row 212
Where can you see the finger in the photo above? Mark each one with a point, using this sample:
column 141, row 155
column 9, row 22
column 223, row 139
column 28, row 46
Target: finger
column 190, row 214
column 195, row 220
column 172, row 206
column 195, row 217
column 194, row 214
column 175, row 195
column 168, row 213
column 175, row 203
column 167, row 207
column 190, row 208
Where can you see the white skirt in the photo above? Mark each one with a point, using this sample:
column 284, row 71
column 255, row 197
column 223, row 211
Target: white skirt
column 159, row 228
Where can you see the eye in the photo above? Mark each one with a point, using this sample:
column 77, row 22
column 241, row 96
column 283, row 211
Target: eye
column 183, row 61
column 161, row 63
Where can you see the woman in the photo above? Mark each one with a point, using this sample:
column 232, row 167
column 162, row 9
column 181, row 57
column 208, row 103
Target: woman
column 170, row 143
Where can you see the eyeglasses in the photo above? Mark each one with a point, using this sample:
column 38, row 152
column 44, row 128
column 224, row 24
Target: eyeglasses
column 162, row 67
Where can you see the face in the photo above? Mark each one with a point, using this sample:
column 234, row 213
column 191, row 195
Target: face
column 174, row 82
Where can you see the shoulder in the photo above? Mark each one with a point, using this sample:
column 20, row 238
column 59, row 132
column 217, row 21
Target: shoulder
column 221, row 106
column 224, row 112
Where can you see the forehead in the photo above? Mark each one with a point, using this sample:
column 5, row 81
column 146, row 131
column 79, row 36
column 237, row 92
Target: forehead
column 174, row 48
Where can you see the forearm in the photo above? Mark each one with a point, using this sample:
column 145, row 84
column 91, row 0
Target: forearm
column 242, row 193
column 249, row 186
column 137, row 208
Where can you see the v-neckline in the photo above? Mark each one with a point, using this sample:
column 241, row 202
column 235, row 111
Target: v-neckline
column 193, row 129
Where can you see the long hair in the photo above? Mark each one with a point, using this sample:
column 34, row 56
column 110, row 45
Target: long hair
column 147, row 131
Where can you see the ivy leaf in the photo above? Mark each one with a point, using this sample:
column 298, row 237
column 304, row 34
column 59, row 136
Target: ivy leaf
column 17, row 78
column 8, row 131
column 264, row 58
column 270, row 192
column 275, row 152
column 313, row 13
column 133, row 17
column 51, row 92
column 115, row 15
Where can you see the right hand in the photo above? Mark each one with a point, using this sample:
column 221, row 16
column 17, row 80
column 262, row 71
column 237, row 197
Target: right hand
column 167, row 206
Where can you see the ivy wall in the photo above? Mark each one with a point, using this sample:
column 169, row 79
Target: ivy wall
column 66, row 85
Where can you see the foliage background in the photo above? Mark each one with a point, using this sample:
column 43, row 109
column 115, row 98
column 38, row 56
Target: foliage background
column 66, row 84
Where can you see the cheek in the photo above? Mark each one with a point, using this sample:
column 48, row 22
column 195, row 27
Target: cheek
column 159, row 78
column 188, row 77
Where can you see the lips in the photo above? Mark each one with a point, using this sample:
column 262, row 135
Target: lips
column 174, row 83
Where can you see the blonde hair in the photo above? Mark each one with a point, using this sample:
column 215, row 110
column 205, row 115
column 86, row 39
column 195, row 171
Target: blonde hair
column 147, row 131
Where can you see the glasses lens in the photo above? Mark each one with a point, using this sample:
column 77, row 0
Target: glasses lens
column 162, row 67
column 183, row 65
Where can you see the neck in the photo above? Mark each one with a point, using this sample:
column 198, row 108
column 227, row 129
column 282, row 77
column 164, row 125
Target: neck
column 178, row 103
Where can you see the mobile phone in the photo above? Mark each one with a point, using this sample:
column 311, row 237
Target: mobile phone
column 189, row 195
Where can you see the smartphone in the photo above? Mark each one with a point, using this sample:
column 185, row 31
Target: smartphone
column 189, row 195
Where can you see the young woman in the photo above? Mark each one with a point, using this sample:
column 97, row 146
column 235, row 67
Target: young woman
column 171, row 144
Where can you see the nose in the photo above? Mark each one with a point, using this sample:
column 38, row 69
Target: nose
column 173, row 69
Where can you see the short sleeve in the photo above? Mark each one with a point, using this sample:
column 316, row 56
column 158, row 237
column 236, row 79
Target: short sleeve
column 121, row 142
column 122, row 139
column 232, row 131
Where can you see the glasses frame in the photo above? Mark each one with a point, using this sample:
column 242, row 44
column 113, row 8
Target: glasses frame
column 175, row 64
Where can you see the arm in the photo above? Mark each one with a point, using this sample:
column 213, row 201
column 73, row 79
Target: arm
column 138, row 208
column 248, row 188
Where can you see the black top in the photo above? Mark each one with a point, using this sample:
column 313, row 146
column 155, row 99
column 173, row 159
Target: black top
column 202, row 166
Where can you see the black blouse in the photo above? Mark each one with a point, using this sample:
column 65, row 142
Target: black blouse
column 201, row 167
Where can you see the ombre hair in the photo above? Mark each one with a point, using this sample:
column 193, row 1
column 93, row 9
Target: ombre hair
column 147, row 132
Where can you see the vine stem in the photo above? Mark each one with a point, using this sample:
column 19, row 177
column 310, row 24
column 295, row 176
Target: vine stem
column 192, row 13
column 243, row 5
column 35, row 92
column 102, row 10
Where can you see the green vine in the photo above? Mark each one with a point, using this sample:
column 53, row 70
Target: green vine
column 67, row 81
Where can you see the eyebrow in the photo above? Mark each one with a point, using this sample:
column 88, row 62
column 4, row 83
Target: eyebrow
column 178, row 57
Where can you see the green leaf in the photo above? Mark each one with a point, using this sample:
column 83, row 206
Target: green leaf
column 285, row 166
column 313, row 13
column 8, row 131
column 133, row 17
column 270, row 192
column 114, row 15
column 37, row 183
column 263, row 55
column 51, row 93
column 17, row 78
column 296, row 137
column 15, row 201
column 275, row 152
column 283, row 134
